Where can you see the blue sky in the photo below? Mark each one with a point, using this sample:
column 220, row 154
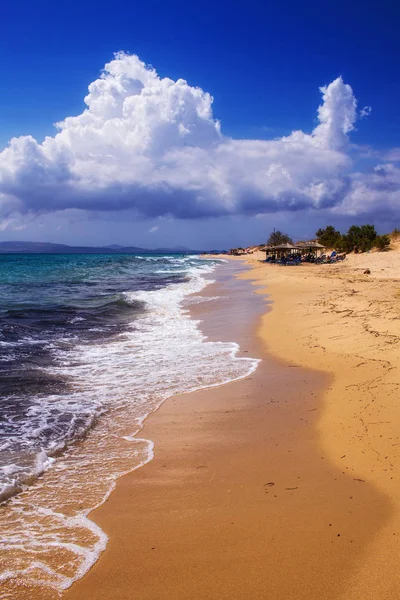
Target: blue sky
column 262, row 62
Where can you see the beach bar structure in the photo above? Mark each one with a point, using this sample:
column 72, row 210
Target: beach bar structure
column 309, row 249
column 314, row 247
column 281, row 250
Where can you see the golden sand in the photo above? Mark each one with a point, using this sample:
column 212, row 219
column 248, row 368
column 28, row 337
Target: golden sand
column 347, row 323
column 284, row 485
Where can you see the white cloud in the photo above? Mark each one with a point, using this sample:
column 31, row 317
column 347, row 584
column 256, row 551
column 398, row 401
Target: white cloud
column 393, row 155
column 374, row 193
column 153, row 145
column 154, row 229
column 12, row 225
column 337, row 115
column 365, row 112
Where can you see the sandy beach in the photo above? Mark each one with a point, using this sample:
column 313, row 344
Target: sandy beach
column 200, row 301
column 283, row 485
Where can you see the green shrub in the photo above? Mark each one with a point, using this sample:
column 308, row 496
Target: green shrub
column 343, row 244
column 359, row 239
column 382, row 242
column 329, row 237
column 277, row 238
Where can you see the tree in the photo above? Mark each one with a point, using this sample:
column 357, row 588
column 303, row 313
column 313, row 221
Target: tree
column 277, row 238
column 329, row 237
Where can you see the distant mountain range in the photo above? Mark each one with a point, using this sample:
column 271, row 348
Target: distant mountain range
column 50, row 248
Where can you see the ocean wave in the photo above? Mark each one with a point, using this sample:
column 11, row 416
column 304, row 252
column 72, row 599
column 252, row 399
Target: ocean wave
column 111, row 387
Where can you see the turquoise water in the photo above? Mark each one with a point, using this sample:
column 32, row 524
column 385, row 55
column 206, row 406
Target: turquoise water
column 49, row 305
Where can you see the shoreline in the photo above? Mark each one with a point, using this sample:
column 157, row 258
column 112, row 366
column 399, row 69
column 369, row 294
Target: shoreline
column 129, row 569
column 75, row 535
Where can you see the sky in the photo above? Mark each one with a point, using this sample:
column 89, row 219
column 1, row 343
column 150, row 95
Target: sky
column 204, row 125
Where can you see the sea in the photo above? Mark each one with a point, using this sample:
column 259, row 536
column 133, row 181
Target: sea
column 90, row 345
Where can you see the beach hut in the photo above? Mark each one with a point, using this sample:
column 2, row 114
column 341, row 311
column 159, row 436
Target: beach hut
column 310, row 245
column 286, row 247
column 280, row 251
column 311, row 249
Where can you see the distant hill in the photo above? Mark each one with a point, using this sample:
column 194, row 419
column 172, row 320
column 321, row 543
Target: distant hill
column 50, row 248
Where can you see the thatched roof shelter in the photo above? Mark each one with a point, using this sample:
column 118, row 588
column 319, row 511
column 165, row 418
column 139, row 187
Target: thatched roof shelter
column 310, row 245
column 281, row 249
column 308, row 250
column 285, row 246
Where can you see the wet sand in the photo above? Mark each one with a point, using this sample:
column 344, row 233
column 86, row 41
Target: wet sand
column 247, row 497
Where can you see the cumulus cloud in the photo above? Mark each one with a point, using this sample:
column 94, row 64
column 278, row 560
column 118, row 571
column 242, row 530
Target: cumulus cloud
column 152, row 145
column 374, row 193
